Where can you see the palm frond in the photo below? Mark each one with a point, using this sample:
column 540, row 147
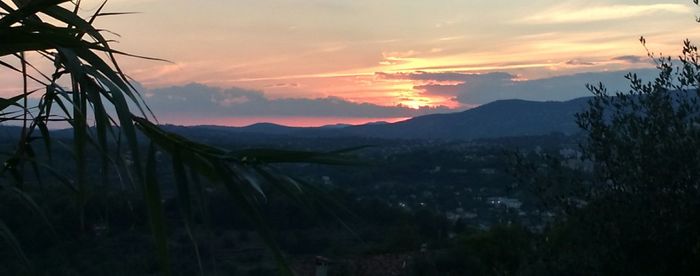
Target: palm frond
column 99, row 90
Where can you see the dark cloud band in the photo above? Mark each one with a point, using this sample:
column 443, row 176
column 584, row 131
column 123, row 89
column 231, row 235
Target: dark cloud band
column 206, row 101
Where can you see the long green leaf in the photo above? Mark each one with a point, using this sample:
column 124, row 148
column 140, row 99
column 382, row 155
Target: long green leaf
column 155, row 211
column 242, row 199
column 5, row 103
column 9, row 237
column 27, row 10
column 31, row 204
column 185, row 202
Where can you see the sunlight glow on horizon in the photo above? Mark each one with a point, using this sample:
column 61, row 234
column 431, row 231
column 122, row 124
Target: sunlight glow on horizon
column 336, row 48
column 292, row 121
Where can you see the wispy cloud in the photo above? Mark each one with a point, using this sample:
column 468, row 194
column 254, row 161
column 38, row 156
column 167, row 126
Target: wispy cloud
column 201, row 101
column 475, row 89
column 282, row 85
column 578, row 62
column 631, row 59
column 580, row 14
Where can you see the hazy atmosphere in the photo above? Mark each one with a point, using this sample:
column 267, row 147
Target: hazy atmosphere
column 349, row 137
column 379, row 60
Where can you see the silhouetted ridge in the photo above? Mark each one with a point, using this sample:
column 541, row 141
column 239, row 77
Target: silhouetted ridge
column 497, row 119
column 501, row 118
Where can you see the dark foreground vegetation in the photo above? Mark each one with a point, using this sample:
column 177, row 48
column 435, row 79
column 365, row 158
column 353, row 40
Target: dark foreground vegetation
column 620, row 198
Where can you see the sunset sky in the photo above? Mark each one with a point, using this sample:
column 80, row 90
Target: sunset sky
column 237, row 62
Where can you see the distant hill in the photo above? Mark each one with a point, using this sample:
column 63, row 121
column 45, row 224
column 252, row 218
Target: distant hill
column 497, row 119
column 502, row 118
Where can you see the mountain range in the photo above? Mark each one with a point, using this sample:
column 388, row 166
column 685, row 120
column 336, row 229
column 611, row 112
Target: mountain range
column 501, row 118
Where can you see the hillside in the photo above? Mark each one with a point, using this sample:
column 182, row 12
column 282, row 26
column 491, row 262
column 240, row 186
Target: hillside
column 497, row 119
column 502, row 118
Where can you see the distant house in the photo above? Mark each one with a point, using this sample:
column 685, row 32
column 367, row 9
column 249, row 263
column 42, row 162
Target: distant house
column 488, row 171
column 322, row 264
column 368, row 265
column 459, row 213
column 459, row 171
column 327, row 180
column 505, row 201
column 570, row 153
